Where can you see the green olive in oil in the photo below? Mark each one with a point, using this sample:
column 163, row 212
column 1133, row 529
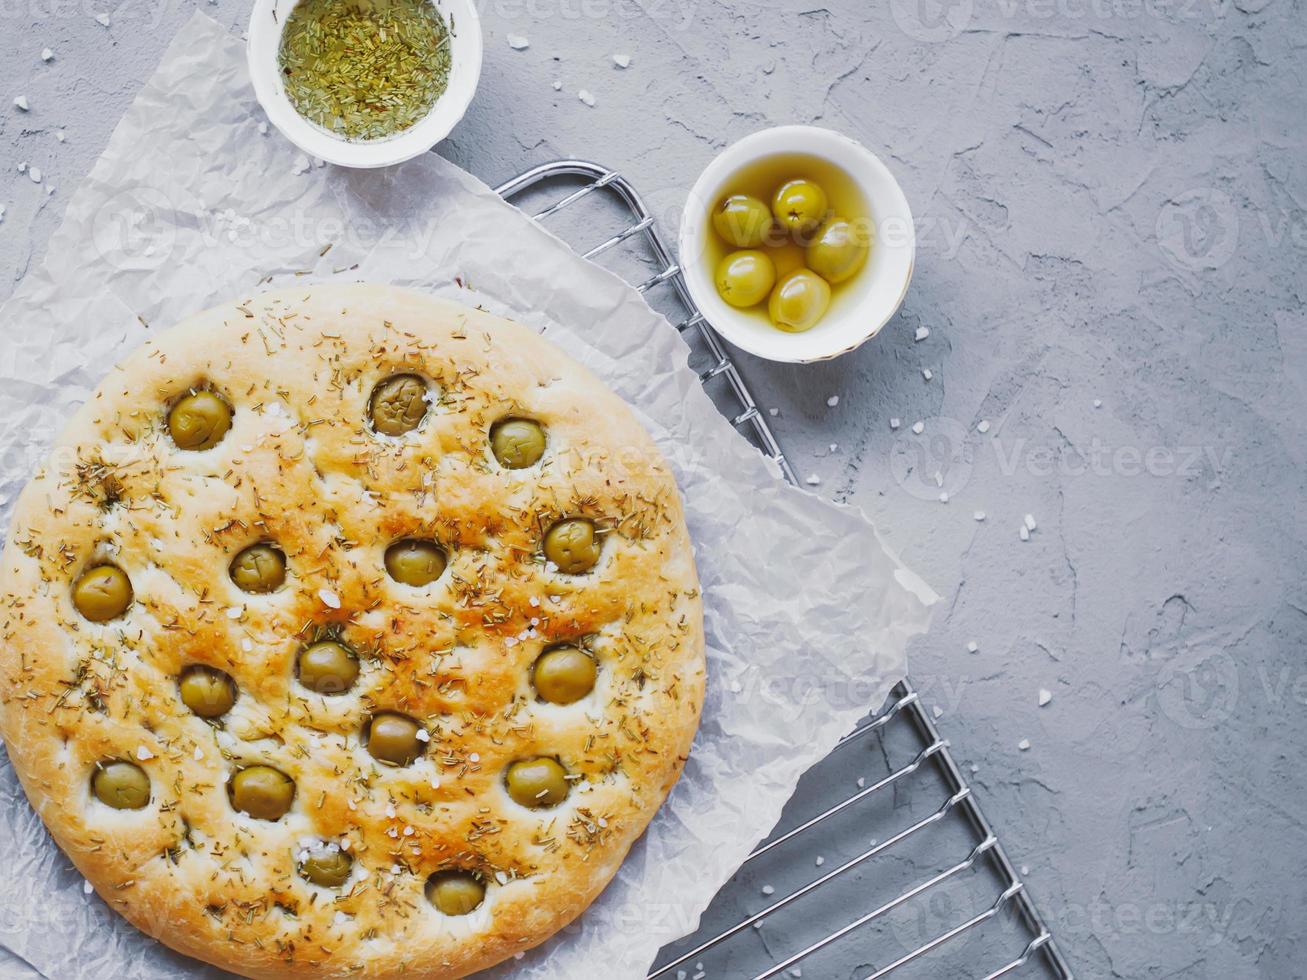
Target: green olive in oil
column 804, row 214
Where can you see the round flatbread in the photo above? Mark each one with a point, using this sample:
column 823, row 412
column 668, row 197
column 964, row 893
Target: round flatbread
column 274, row 615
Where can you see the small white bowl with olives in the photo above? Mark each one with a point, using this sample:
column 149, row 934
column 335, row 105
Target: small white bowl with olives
column 797, row 244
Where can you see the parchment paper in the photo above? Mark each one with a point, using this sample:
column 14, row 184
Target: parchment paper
column 193, row 204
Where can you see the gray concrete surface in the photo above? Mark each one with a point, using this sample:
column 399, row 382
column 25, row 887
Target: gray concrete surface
column 1112, row 207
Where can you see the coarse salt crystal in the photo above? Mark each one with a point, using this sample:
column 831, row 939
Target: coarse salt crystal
column 925, row 373
column 87, row 888
column 21, row 102
column 408, row 831
column 345, row 844
column 1025, row 869
column 979, row 515
column 1045, row 696
column 972, row 646
column 622, row 60
column 918, row 427
column 263, row 129
column 1030, row 522
column 1025, row 533
column 558, row 85
column 586, row 96
column 61, row 136
column 518, row 43
column 1024, row 744
column 534, row 602
column 235, row 612
column 390, row 810
column 943, row 496
column 1098, row 403
column 768, row 890
column 143, row 753
column 834, row 446
column 813, row 480
column 474, row 757
column 102, row 19
column 47, row 54
column 198, row 753
column 921, row 334
column 936, row 710
column 423, row 735
column 340, row 918
column 832, row 401
column 329, row 598
column 895, row 423
column 35, row 174
column 247, row 644
column 820, row 860
column 501, row 877
column 773, row 412
column 982, row 425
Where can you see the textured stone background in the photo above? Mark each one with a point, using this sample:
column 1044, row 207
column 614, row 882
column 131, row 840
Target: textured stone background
column 1112, row 205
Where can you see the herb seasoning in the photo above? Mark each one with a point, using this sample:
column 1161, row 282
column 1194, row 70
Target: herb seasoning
column 365, row 69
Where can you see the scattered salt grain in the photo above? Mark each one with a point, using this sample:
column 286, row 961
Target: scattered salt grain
column 35, row 174
column 518, row 43
column 47, row 54
column 198, row 753
column 862, row 782
column 974, row 768
column 1025, row 533
column 979, row 515
column 1024, row 744
column 1045, row 696
column 534, row 602
column 895, row 423
column 820, row 860
column 235, row 612
column 302, row 165
column 832, row 401
column 102, row 20
column 340, row 918
column 1025, row 870
column 1098, row 403
column 622, row 60
column 972, row 646
column 768, row 890
column 813, row 480
column 834, row 446
column 926, row 373
column 87, row 888
column 247, row 644
column 390, row 810
column 936, row 710
column 423, row 735
column 263, row 129
column 144, row 754
column 474, row 757
column 918, row 427
column 501, row 877
column 558, row 85
column 329, row 598
column 943, row 496
column 21, row 102
column 1030, row 522
column 982, row 425
column 921, row 334
column 586, row 96
column 773, row 412
column 408, row 831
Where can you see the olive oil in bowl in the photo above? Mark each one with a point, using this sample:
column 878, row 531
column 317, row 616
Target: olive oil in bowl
column 819, row 236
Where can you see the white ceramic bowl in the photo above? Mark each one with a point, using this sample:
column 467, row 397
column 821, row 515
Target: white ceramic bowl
column 266, row 25
column 862, row 306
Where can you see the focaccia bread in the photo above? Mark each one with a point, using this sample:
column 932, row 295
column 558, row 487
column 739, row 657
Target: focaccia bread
column 350, row 633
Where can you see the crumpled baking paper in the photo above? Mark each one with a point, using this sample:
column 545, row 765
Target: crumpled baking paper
column 194, row 203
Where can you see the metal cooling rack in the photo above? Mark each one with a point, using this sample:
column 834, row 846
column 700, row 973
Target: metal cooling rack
column 934, row 894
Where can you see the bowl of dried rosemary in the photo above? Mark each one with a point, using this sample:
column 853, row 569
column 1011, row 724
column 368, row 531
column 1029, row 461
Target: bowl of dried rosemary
column 365, row 83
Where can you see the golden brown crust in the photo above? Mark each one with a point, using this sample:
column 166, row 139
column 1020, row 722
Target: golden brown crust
column 301, row 468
